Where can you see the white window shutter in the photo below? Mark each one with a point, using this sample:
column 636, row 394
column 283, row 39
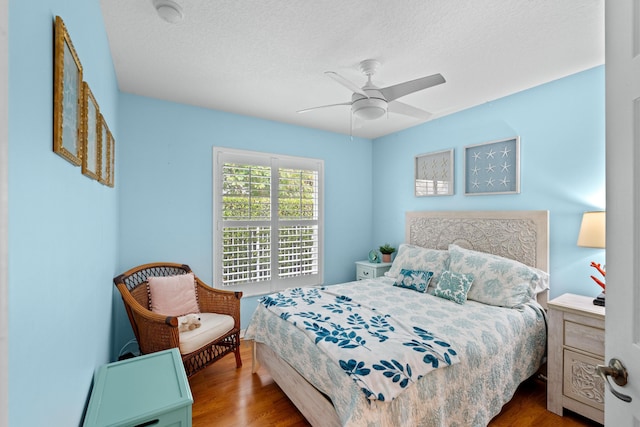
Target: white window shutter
column 268, row 227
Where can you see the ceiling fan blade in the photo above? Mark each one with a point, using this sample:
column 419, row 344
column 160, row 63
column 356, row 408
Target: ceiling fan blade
column 346, row 83
column 402, row 89
column 322, row 106
column 402, row 108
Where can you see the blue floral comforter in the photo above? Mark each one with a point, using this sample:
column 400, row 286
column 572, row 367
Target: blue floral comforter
column 380, row 353
column 498, row 348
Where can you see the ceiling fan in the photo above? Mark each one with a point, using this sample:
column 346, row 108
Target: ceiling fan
column 371, row 102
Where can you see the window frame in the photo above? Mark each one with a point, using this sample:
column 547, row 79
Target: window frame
column 222, row 155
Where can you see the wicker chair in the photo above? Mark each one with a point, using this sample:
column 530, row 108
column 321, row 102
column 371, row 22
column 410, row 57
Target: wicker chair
column 156, row 332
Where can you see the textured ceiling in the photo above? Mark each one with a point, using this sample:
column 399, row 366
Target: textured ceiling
column 267, row 58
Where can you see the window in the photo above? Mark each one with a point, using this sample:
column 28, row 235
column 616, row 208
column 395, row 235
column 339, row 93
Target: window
column 267, row 221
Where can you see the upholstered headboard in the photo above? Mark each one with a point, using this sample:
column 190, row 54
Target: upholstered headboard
column 519, row 235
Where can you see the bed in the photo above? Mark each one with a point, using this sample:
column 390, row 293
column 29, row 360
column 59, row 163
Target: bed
column 498, row 346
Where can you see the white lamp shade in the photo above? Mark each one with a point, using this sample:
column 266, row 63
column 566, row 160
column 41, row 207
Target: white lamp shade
column 593, row 230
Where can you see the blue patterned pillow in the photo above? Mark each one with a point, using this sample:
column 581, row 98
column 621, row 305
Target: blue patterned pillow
column 497, row 281
column 454, row 286
column 416, row 280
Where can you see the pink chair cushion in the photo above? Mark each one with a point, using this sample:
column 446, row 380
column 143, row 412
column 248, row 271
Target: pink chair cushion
column 173, row 295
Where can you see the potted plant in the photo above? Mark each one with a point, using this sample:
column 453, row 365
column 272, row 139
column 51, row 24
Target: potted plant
column 386, row 251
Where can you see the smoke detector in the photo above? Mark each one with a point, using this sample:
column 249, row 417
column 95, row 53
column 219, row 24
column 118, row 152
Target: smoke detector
column 168, row 10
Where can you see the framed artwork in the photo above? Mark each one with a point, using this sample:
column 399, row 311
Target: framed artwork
column 91, row 131
column 111, row 150
column 434, row 174
column 67, row 97
column 105, row 151
column 492, row 167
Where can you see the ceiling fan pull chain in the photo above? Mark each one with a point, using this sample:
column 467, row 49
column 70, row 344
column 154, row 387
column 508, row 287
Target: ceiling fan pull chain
column 351, row 126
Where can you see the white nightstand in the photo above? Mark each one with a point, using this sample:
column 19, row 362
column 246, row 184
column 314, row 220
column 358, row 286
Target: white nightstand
column 370, row 270
column 576, row 346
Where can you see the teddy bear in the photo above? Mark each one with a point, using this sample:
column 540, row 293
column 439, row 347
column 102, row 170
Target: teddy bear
column 188, row 322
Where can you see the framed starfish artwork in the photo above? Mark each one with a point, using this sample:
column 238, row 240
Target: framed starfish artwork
column 434, row 174
column 492, row 167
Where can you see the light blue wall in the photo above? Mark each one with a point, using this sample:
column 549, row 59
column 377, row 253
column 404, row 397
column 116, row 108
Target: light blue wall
column 166, row 166
column 562, row 155
column 62, row 225
column 165, row 178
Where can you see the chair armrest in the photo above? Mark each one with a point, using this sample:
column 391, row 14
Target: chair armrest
column 154, row 332
column 214, row 300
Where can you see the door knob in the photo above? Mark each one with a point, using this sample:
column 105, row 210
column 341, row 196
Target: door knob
column 618, row 372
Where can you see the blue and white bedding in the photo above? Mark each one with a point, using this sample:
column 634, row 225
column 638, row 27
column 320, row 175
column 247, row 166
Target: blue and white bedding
column 498, row 348
column 380, row 353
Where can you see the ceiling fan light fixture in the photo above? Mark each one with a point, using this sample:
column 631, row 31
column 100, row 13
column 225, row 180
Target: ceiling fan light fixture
column 369, row 108
column 168, row 10
column 371, row 102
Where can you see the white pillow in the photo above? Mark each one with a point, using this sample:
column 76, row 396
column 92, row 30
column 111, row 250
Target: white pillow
column 412, row 257
column 541, row 283
column 173, row 295
column 497, row 281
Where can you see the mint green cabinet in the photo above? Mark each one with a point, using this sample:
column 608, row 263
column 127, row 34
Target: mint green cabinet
column 150, row 390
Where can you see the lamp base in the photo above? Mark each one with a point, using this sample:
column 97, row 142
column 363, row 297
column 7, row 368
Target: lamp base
column 599, row 300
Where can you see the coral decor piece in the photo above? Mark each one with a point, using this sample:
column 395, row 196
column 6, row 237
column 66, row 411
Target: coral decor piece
column 602, row 271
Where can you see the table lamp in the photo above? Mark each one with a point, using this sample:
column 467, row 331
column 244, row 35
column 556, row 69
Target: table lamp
column 593, row 235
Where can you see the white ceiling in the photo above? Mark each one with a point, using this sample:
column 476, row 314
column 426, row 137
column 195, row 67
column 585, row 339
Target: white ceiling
column 267, row 58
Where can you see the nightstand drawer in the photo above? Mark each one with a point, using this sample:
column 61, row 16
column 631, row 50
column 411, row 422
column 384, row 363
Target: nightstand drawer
column 583, row 337
column 363, row 272
column 371, row 270
column 581, row 379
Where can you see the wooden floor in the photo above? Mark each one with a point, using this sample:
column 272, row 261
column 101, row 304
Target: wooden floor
column 226, row 396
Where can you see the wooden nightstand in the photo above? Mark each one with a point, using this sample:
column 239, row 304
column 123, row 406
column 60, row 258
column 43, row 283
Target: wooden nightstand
column 576, row 346
column 369, row 270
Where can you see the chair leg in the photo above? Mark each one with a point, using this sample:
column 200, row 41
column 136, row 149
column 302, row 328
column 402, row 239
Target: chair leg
column 237, row 352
